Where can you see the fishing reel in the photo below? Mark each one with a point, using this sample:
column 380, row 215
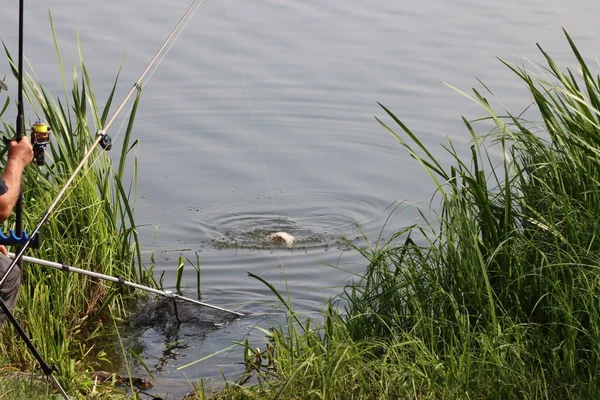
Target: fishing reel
column 40, row 137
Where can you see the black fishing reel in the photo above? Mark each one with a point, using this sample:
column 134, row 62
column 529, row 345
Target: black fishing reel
column 40, row 137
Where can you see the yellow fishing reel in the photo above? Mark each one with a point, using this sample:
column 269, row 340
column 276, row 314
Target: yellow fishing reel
column 40, row 137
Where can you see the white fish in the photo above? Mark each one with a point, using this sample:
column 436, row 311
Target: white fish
column 283, row 237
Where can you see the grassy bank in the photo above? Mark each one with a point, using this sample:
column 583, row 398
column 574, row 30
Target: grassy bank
column 498, row 297
column 93, row 228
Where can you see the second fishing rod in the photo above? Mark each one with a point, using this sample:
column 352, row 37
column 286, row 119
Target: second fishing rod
column 102, row 139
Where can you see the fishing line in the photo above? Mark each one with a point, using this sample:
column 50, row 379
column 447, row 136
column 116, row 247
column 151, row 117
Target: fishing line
column 275, row 211
column 262, row 154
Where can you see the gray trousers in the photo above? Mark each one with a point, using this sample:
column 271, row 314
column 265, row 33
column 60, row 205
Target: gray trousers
column 10, row 288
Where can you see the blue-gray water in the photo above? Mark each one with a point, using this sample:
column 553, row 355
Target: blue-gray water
column 261, row 116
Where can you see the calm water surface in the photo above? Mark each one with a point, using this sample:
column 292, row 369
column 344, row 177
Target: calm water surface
column 260, row 118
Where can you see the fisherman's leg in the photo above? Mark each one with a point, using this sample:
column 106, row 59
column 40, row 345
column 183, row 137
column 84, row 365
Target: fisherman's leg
column 10, row 288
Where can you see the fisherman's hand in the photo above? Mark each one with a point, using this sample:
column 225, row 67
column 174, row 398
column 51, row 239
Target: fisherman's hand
column 20, row 152
column 3, row 250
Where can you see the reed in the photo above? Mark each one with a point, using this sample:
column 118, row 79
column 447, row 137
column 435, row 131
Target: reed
column 93, row 227
column 495, row 297
column 502, row 287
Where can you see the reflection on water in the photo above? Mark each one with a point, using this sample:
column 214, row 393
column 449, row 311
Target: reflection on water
column 175, row 324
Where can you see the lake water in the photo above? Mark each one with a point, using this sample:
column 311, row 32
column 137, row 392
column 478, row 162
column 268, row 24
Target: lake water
column 261, row 118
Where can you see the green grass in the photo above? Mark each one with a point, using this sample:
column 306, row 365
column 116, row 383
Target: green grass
column 93, row 227
column 497, row 296
column 17, row 387
column 31, row 385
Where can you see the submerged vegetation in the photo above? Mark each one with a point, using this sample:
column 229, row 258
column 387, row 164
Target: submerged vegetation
column 498, row 297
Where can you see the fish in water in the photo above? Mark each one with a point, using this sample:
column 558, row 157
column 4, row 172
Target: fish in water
column 283, row 237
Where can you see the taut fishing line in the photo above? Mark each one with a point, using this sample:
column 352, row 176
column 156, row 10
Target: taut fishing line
column 262, row 154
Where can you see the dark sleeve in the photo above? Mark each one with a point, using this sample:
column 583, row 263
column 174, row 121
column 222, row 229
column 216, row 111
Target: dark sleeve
column 3, row 187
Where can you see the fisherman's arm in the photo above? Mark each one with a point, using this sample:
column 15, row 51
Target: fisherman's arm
column 20, row 155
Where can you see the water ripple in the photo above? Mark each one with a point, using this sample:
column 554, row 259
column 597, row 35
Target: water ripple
column 316, row 219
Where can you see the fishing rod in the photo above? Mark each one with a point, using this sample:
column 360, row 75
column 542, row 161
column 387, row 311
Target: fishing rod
column 20, row 131
column 102, row 139
column 165, row 293
column 20, row 121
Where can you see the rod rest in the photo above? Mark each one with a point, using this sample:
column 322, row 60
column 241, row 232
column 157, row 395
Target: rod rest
column 12, row 239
